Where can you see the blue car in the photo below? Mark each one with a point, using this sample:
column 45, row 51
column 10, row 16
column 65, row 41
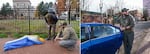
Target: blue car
column 100, row 38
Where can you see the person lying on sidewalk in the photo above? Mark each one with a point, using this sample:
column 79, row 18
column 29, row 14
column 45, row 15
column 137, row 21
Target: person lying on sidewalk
column 69, row 38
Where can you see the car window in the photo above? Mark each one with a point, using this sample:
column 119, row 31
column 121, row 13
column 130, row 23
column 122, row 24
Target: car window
column 97, row 32
column 104, row 31
column 85, row 33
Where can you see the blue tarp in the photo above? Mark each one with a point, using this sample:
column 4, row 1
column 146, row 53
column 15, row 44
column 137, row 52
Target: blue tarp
column 21, row 42
column 106, row 45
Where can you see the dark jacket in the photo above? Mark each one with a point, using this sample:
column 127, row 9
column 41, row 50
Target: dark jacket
column 126, row 20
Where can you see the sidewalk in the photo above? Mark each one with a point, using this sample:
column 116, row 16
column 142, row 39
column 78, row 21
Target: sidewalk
column 138, row 38
column 143, row 21
column 145, row 45
column 48, row 47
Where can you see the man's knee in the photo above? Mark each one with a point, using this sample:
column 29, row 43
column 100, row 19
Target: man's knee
column 67, row 43
column 61, row 43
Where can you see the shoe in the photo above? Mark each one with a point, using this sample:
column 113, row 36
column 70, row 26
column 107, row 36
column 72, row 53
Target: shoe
column 48, row 39
column 71, row 48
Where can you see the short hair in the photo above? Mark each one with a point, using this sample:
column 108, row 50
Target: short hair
column 124, row 10
column 64, row 23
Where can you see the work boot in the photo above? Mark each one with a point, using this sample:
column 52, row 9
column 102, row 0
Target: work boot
column 71, row 48
column 48, row 39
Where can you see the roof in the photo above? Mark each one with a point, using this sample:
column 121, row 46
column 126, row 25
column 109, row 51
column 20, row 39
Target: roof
column 21, row 0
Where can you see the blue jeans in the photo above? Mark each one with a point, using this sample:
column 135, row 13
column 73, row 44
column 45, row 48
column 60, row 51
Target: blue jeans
column 67, row 43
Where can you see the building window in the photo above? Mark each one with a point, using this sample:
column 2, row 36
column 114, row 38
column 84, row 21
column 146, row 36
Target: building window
column 21, row 14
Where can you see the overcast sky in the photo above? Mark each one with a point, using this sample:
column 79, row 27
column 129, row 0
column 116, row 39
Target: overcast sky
column 130, row 4
column 33, row 2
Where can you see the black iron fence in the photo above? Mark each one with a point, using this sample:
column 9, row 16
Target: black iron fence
column 27, row 21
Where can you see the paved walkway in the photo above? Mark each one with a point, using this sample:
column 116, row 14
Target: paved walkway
column 145, row 45
column 141, row 30
column 48, row 47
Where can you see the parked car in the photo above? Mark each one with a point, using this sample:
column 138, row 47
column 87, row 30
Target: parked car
column 100, row 38
column 63, row 16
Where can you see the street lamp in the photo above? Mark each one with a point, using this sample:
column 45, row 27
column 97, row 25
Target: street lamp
column 101, row 6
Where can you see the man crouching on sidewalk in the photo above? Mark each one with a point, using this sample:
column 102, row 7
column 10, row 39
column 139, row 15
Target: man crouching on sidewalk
column 69, row 38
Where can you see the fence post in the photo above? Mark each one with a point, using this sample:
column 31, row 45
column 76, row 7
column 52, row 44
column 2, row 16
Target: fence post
column 29, row 18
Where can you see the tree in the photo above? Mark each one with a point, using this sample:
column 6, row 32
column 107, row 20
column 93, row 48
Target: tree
column 6, row 10
column 38, row 10
column 110, row 11
column 45, row 9
column 61, row 6
column 74, row 4
column 36, row 13
column 42, row 8
column 145, row 14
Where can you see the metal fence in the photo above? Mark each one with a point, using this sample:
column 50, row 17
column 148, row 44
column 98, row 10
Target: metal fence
column 24, row 21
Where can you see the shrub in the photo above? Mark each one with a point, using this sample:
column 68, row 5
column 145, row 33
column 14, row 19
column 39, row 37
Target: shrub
column 43, row 35
column 17, row 35
column 2, row 35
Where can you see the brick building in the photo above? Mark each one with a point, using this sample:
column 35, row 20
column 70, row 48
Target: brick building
column 88, row 16
column 146, row 6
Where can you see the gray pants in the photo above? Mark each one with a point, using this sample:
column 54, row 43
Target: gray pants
column 128, row 37
column 67, row 43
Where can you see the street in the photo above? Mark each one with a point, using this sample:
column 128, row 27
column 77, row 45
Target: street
column 141, row 31
column 142, row 25
column 144, row 44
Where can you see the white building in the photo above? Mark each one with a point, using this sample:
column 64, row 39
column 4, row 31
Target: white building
column 23, row 8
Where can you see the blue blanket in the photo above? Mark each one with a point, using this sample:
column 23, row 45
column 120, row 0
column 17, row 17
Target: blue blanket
column 19, row 43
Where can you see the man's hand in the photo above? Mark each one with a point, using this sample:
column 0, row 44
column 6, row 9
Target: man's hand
column 56, row 39
column 122, row 28
column 128, row 27
column 117, row 25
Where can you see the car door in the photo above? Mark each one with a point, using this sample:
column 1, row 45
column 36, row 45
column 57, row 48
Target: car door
column 101, row 39
column 105, row 40
column 85, row 40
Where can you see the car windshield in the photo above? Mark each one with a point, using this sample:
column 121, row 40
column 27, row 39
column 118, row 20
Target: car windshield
column 97, row 32
column 104, row 31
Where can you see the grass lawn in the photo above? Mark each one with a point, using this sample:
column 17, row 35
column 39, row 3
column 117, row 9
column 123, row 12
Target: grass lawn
column 36, row 26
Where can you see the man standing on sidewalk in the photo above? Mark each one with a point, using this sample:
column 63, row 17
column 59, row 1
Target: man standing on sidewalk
column 126, row 25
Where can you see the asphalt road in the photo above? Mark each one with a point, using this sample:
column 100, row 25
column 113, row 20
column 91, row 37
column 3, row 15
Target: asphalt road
column 141, row 29
column 140, row 26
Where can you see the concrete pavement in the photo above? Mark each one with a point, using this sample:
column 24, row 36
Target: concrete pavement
column 141, row 30
column 144, row 48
